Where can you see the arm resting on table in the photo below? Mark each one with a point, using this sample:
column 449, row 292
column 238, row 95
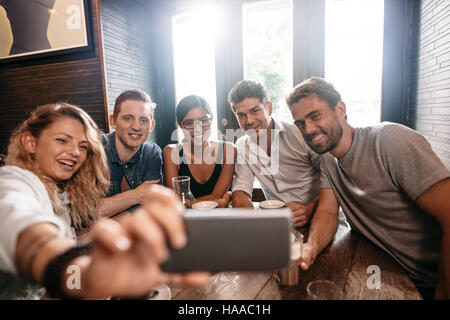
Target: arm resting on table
column 241, row 199
column 108, row 207
column 323, row 227
column 302, row 214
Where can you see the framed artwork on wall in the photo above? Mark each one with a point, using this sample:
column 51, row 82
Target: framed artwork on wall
column 37, row 28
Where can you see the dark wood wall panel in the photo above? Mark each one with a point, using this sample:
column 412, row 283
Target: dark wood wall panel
column 75, row 78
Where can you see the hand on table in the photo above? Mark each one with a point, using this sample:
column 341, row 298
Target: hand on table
column 308, row 256
column 300, row 213
column 126, row 256
column 225, row 200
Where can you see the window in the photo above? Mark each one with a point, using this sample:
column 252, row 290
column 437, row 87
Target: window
column 194, row 57
column 267, row 50
column 354, row 56
column 341, row 40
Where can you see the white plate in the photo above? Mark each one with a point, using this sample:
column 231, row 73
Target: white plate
column 271, row 204
column 164, row 292
column 205, row 205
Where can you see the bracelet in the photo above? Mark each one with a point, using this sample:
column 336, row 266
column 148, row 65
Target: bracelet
column 54, row 274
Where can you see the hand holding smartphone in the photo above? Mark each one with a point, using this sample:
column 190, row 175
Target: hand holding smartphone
column 233, row 239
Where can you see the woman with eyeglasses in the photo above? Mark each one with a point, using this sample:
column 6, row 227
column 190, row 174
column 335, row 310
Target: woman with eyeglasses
column 208, row 163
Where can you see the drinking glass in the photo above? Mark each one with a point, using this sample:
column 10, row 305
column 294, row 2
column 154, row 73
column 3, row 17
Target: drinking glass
column 289, row 276
column 182, row 187
column 324, row 290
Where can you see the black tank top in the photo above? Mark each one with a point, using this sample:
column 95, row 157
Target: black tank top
column 201, row 189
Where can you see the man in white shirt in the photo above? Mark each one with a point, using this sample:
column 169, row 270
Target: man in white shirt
column 275, row 153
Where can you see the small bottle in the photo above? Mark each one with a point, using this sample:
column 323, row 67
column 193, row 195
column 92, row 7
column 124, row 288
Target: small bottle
column 182, row 187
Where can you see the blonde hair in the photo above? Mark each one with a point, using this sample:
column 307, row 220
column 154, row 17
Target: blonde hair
column 88, row 184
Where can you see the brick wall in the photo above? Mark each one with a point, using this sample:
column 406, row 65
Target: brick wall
column 432, row 114
column 126, row 50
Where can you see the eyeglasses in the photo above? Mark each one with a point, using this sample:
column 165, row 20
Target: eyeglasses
column 204, row 122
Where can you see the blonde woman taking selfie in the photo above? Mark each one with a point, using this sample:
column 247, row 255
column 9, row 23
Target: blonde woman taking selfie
column 55, row 172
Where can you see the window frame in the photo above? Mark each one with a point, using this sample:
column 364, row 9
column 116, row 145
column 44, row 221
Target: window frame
column 399, row 56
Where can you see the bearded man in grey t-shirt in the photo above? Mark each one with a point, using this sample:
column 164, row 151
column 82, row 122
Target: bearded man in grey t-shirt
column 392, row 187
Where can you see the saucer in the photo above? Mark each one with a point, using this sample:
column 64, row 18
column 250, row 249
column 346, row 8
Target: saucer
column 205, row 205
column 272, row 204
column 164, row 292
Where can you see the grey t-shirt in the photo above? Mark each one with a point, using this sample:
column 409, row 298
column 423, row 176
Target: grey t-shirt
column 377, row 182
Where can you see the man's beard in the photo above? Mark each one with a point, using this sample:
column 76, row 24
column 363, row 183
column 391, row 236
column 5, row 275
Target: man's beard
column 334, row 135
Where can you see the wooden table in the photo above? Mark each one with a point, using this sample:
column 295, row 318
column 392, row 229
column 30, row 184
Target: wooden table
column 344, row 262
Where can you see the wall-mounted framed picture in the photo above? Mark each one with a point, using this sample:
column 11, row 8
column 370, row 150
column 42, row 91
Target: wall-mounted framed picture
column 33, row 29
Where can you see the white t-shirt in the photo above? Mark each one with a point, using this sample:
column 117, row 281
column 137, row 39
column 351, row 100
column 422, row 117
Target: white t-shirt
column 24, row 201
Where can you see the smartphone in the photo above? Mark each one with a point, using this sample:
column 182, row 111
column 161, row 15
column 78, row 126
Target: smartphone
column 233, row 239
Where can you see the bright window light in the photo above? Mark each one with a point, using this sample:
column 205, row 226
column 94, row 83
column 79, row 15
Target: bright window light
column 267, row 43
column 354, row 56
column 194, row 57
